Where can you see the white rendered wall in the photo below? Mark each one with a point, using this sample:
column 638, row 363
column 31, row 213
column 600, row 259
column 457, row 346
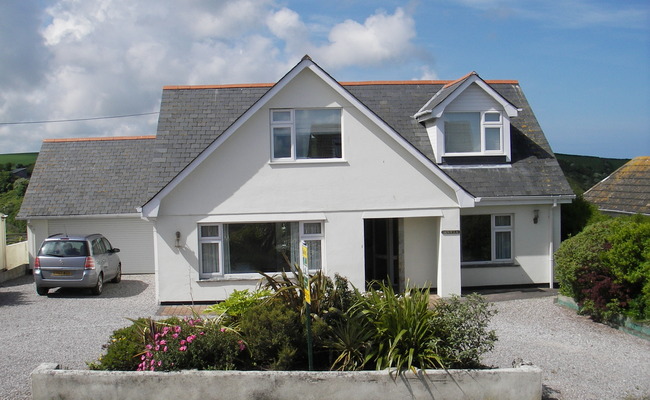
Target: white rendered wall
column 421, row 251
column 531, row 241
column 238, row 183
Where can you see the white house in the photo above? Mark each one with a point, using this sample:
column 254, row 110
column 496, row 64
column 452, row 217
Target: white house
column 439, row 184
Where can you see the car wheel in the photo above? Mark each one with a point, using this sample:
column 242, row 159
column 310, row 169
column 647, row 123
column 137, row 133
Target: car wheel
column 118, row 277
column 42, row 291
column 99, row 287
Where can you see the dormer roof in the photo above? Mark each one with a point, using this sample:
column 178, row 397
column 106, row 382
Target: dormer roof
column 450, row 91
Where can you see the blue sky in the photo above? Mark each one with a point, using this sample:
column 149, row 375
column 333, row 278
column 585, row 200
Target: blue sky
column 584, row 65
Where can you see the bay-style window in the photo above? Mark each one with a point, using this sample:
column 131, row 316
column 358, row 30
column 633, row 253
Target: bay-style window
column 303, row 134
column 242, row 248
column 486, row 238
column 473, row 132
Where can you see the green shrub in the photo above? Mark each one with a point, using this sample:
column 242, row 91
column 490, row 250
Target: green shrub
column 275, row 336
column 238, row 303
column 460, row 328
column 172, row 344
column 398, row 330
column 606, row 268
column 191, row 343
column 123, row 350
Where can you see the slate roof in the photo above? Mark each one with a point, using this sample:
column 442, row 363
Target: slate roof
column 626, row 190
column 89, row 177
column 109, row 176
column 192, row 117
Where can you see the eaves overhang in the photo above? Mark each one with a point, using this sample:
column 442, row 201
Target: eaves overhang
column 525, row 200
column 437, row 104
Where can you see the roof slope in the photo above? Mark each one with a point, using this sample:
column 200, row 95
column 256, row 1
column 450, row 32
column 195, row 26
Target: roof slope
column 626, row 190
column 88, row 177
column 193, row 117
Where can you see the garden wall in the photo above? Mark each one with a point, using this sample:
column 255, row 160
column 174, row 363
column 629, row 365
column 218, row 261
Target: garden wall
column 523, row 383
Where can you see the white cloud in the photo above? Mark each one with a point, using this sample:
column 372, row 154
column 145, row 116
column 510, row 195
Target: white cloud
column 112, row 57
column 380, row 38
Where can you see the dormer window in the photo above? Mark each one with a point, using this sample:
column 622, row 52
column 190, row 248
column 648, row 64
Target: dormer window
column 473, row 133
column 468, row 123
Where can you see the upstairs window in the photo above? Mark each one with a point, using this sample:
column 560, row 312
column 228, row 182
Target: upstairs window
column 473, row 132
column 304, row 134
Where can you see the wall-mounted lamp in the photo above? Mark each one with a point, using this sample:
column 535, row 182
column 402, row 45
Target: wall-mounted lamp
column 178, row 239
column 535, row 216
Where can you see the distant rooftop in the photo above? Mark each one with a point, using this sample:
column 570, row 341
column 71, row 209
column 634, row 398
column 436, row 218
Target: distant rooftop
column 626, row 190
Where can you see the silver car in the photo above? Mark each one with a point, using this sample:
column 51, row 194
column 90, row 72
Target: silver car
column 76, row 261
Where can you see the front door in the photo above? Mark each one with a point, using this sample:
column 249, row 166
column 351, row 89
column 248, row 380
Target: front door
column 381, row 240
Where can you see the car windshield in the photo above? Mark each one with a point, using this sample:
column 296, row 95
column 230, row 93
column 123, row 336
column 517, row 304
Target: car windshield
column 64, row 249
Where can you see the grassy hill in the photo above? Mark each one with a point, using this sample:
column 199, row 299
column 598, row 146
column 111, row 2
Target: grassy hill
column 15, row 159
column 583, row 172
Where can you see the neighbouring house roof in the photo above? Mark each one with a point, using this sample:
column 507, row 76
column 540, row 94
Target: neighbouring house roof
column 626, row 190
column 91, row 176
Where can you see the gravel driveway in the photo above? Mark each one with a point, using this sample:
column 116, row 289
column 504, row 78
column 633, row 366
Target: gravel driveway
column 580, row 359
column 67, row 327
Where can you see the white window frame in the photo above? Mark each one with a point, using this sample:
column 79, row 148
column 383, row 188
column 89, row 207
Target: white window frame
column 291, row 125
column 483, row 125
column 501, row 228
column 219, row 240
column 314, row 237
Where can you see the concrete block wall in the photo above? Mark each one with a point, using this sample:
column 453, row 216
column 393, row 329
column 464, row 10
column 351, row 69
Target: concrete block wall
column 523, row 383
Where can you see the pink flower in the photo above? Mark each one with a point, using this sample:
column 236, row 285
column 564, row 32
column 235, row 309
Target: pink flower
column 157, row 348
column 242, row 346
column 201, row 333
column 177, row 329
column 163, row 342
column 191, row 338
column 175, row 335
column 165, row 349
column 149, row 347
column 182, row 348
column 142, row 358
column 222, row 330
column 159, row 363
column 183, row 342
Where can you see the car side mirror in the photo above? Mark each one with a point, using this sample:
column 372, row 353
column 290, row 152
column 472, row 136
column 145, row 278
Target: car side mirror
column 115, row 250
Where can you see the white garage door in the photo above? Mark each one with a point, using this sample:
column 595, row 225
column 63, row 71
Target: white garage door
column 133, row 236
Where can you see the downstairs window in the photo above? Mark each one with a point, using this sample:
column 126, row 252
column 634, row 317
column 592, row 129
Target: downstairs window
column 243, row 248
column 486, row 238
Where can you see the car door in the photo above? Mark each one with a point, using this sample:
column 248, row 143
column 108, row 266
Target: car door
column 99, row 253
column 113, row 261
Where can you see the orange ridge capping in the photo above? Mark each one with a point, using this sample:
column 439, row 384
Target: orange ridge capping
column 361, row 83
column 92, row 139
